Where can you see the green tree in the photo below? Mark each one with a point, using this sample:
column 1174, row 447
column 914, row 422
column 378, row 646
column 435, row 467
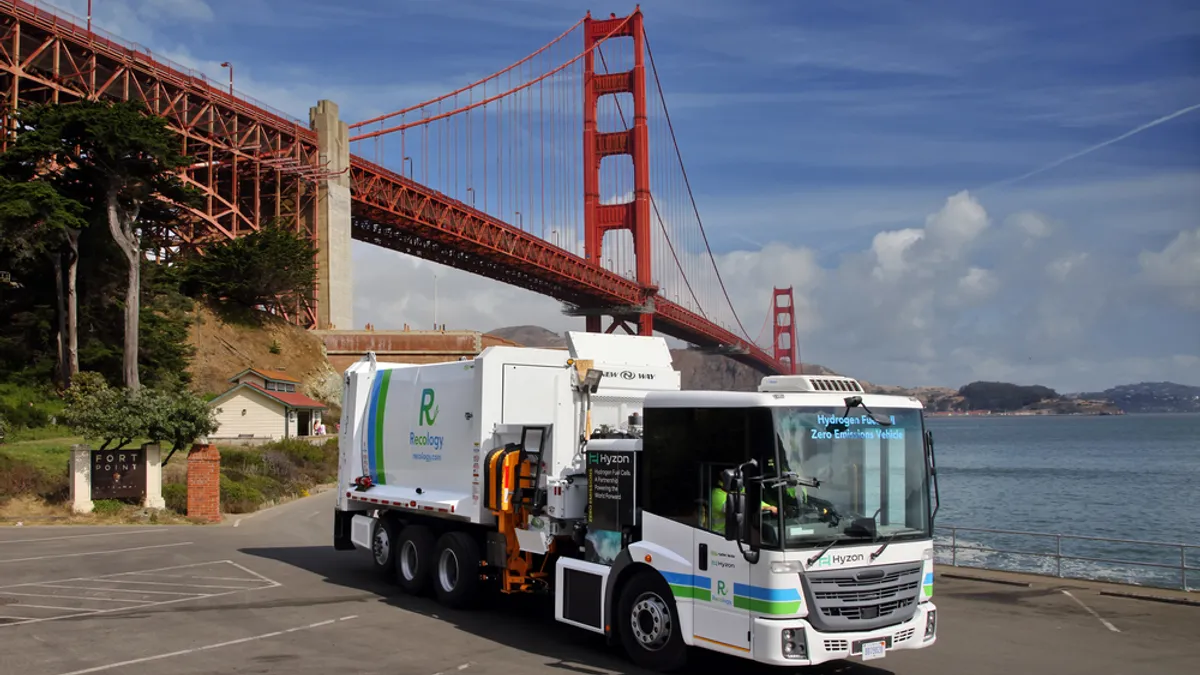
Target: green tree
column 97, row 411
column 255, row 270
column 117, row 161
column 36, row 222
column 178, row 417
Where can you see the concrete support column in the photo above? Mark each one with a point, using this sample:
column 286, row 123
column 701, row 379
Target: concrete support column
column 81, row 479
column 335, row 283
column 153, row 454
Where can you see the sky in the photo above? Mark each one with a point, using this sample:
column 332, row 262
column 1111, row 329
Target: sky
column 956, row 191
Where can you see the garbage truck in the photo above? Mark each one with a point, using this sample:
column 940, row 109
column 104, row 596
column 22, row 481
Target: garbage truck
column 791, row 525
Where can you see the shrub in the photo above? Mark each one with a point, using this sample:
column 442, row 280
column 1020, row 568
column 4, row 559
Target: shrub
column 239, row 497
column 18, row 477
column 175, row 495
column 108, row 507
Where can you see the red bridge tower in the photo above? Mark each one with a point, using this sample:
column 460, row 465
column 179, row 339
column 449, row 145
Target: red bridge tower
column 598, row 219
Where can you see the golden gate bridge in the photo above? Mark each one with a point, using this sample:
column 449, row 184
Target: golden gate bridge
column 560, row 174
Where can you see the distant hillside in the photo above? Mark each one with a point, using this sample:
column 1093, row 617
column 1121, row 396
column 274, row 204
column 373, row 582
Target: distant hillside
column 1151, row 397
column 531, row 336
column 697, row 369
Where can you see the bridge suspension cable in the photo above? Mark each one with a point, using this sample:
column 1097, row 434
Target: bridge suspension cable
column 691, row 195
column 508, row 147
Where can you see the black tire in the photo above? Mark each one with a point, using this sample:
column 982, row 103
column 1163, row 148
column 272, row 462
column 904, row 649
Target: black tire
column 414, row 557
column 456, row 570
column 648, row 624
column 383, row 547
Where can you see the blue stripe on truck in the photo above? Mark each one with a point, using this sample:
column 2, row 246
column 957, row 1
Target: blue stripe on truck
column 371, row 410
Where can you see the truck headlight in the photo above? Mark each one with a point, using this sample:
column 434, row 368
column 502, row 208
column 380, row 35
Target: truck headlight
column 930, row 623
column 793, row 644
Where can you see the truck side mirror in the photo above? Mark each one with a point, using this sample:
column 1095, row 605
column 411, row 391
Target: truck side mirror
column 734, row 515
column 727, row 481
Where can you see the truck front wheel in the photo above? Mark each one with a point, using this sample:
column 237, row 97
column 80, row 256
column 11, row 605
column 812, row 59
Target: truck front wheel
column 456, row 569
column 648, row 624
column 414, row 553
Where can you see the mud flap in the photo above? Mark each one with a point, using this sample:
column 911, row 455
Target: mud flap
column 341, row 530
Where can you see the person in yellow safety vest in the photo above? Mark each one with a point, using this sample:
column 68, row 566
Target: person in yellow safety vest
column 716, row 508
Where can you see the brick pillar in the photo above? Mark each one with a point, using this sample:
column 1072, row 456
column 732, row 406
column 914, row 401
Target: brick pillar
column 204, row 483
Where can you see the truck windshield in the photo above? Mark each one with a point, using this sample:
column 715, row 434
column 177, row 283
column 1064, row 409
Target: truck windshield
column 865, row 469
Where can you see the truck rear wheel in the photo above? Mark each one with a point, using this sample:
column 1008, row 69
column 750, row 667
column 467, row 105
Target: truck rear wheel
column 648, row 624
column 383, row 547
column 414, row 553
column 456, row 569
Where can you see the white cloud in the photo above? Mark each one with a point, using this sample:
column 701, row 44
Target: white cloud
column 943, row 304
column 1176, row 269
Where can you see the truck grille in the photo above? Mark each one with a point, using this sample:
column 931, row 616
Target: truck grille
column 863, row 598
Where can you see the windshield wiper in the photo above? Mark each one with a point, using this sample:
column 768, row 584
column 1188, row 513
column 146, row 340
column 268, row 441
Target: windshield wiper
column 823, row 551
column 844, row 535
column 857, row 402
column 879, row 551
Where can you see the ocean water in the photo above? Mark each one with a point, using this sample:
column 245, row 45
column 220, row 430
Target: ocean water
column 1123, row 477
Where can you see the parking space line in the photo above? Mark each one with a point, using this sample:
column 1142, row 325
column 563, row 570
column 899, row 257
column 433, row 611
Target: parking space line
column 85, row 553
column 142, row 598
column 1092, row 612
column 193, row 576
column 110, row 589
column 70, row 597
column 177, row 583
column 68, row 609
column 218, row 645
column 153, row 569
column 81, row 536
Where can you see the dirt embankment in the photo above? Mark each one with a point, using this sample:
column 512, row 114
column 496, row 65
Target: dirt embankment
column 224, row 349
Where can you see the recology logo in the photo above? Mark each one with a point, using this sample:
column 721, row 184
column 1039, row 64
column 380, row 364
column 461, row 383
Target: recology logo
column 428, row 413
column 426, row 417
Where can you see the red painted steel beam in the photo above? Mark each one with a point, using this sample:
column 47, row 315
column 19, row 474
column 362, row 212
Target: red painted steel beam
column 52, row 58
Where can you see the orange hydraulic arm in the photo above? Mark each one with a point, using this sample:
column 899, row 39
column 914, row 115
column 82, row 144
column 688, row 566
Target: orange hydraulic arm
column 509, row 494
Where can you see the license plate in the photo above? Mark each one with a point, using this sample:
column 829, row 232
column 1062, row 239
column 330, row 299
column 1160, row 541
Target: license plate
column 874, row 650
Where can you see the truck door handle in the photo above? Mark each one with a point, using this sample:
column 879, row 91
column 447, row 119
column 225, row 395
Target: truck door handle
column 703, row 562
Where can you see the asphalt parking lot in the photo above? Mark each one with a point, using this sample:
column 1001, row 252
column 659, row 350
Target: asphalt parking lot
column 268, row 594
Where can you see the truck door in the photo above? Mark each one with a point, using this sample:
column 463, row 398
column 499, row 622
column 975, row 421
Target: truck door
column 720, row 616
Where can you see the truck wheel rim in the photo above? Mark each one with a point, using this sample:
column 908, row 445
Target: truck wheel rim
column 408, row 560
column 651, row 621
column 448, row 570
column 382, row 546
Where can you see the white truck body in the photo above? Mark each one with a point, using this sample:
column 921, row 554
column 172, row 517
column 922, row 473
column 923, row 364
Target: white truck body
column 500, row 454
column 421, row 431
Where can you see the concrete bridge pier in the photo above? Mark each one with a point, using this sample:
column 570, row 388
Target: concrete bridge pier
column 335, row 282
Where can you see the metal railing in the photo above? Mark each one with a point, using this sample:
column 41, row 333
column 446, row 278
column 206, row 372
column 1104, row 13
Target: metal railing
column 1071, row 564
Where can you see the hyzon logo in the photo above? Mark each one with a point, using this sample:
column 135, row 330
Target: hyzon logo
column 835, row 559
column 429, row 412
